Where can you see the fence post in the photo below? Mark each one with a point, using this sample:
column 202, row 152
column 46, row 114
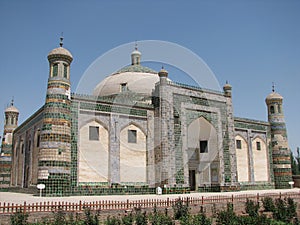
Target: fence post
column 202, row 200
column 232, row 198
column 80, row 206
column 280, row 195
column 257, row 197
column 168, row 202
column 24, row 207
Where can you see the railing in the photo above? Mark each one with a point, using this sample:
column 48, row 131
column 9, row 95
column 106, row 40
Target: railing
column 9, row 208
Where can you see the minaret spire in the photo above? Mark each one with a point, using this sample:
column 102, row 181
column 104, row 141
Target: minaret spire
column 12, row 101
column 61, row 39
column 136, row 45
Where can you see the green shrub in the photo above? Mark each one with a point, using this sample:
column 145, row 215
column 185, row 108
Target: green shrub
column 60, row 217
column 157, row 218
column 180, row 210
column 251, row 208
column 140, row 217
column 90, row 219
column 228, row 216
column 113, row 221
column 127, row 219
column 291, row 209
column 19, row 218
column 201, row 219
column 268, row 204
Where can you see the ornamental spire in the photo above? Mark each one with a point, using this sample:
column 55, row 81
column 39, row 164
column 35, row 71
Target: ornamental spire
column 12, row 101
column 61, row 39
column 135, row 56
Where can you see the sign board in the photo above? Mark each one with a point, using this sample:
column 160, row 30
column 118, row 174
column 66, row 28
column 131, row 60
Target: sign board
column 158, row 191
column 291, row 182
column 41, row 186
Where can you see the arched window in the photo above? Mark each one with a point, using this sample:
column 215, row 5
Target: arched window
column 279, row 108
column 272, row 110
column 65, row 71
column 55, row 70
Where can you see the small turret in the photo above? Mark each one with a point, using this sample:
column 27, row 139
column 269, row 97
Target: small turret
column 227, row 89
column 163, row 76
column 11, row 123
column 136, row 56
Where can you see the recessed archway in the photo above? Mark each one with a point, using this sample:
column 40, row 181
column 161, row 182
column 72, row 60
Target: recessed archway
column 202, row 153
column 133, row 155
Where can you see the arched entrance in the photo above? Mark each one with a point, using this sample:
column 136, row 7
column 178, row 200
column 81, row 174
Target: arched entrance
column 202, row 154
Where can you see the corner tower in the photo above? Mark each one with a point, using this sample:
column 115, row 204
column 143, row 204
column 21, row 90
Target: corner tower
column 279, row 141
column 11, row 123
column 55, row 145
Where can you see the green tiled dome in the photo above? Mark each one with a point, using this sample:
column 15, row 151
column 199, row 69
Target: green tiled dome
column 136, row 68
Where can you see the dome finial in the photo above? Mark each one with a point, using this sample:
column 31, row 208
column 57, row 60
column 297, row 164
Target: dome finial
column 12, row 101
column 61, row 39
column 135, row 45
column 273, row 87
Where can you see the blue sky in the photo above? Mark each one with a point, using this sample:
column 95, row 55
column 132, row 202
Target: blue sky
column 249, row 43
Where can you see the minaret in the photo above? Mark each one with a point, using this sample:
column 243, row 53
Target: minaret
column 11, row 123
column 279, row 141
column 55, row 144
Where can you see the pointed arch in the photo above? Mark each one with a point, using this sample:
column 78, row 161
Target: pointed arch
column 133, row 154
column 242, row 158
column 260, row 159
column 134, row 124
column 93, row 153
column 96, row 121
column 202, row 142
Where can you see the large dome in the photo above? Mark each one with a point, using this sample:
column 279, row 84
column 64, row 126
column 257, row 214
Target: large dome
column 138, row 81
column 133, row 78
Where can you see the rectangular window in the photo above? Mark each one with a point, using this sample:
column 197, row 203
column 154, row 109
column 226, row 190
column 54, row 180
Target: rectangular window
column 93, row 133
column 131, row 136
column 203, row 147
column 123, row 87
column 258, row 147
column 238, row 144
column 38, row 141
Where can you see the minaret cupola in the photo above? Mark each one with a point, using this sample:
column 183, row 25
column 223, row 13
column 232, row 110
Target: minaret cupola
column 136, row 56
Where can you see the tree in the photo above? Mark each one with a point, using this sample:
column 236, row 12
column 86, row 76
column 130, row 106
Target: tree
column 295, row 164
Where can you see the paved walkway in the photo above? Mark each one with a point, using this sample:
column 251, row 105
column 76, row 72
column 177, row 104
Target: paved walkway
column 19, row 198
